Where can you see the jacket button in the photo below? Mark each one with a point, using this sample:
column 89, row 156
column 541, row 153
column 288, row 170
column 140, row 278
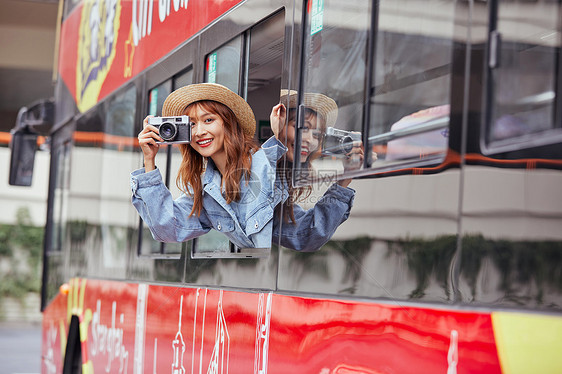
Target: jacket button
column 256, row 224
column 219, row 226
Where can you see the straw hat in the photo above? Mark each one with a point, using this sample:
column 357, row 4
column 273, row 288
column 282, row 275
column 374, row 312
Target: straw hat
column 321, row 104
column 177, row 101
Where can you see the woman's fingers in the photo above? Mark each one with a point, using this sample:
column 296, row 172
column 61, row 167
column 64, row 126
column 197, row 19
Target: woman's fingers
column 150, row 131
column 277, row 118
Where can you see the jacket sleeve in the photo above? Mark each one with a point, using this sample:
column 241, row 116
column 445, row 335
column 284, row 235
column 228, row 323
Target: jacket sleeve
column 167, row 219
column 314, row 227
column 274, row 150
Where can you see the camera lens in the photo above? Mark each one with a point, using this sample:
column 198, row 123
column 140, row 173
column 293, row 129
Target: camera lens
column 346, row 143
column 168, row 131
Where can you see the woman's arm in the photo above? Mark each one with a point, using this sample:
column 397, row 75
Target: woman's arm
column 167, row 219
column 314, row 227
column 147, row 141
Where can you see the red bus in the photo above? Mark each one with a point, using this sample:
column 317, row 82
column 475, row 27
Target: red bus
column 450, row 259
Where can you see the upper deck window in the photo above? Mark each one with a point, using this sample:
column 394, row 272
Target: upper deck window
column 408, row 92
column 223, row 64
column 523, row 61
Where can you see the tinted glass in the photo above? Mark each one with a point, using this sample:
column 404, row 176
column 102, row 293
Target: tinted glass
column 333, row 90
column 386, row 237
column 410, row 95
column 156, row 98
column 524, row 58
column 223, row 65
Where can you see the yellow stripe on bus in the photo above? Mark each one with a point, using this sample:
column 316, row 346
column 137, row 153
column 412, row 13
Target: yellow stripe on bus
column 528, row 343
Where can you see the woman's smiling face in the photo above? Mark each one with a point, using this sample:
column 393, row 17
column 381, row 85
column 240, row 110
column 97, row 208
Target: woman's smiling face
column 310, row 135
column 207, row 133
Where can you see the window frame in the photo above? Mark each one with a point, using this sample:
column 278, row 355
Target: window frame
column 439, row 161
column 243, row 82
column 524, row 144
column 163, row 253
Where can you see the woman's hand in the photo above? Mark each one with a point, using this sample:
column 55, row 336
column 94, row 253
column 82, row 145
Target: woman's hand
column 147, row 141
column 354, row 159
column 277, row 118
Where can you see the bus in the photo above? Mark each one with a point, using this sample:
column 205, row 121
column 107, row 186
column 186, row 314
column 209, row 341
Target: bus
column 450, row 258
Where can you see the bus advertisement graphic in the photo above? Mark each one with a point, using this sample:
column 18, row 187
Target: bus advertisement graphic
column 106, row 43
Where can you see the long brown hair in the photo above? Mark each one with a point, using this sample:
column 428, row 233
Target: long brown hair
column 239, row 148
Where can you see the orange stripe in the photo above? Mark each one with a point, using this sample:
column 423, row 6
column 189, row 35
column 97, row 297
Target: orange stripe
column 531, row 162
column 103, row 138
column 5, row 138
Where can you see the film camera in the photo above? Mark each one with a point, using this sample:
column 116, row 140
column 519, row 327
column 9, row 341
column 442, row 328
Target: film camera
column 174, row 130
column 339, row 141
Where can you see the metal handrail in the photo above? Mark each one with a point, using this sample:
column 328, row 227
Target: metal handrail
column 433, row 124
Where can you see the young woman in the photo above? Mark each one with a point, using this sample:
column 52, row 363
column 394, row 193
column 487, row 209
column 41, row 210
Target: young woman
column 228, row 181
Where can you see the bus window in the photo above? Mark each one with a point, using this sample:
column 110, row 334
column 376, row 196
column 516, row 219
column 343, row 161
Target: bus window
column 57, row 226
column 61, row 159
column 223, row 64
column 262, row 81
column 119, row 120
column 410, row 92
column 332, row 90
column 184, row 78
column 265, row 65
column 168, row 160
column 156, row 97
column 174, row 159
column 524, row 53
column 116, row 221
column 223, row 67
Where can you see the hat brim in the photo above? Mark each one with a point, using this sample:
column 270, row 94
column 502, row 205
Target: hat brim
column 177, row 101
column 320, row 103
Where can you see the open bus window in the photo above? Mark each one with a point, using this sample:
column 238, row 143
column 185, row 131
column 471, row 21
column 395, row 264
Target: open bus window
column 149, row 246
column 409, row 113
column 262, row 82
column 524, row 53
column 168, row 161
column 174, row 158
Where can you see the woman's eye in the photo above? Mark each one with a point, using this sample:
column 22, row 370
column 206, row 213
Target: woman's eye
column 209, row 120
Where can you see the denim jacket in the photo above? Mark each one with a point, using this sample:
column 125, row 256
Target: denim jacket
column 247, row 222
column 312, row 228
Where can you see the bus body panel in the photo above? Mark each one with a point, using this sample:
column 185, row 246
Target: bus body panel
column 142, row 328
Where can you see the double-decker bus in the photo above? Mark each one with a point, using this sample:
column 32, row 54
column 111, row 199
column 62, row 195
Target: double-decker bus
column 450, row 260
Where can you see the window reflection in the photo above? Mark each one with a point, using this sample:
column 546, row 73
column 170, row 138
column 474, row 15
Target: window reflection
column 223, row 65
column 335, row 60
column 524, row 52
column 120, row 119
column 411, row 80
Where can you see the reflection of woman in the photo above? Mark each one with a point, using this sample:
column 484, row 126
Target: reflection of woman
column 226, row 179
column 308, row 230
